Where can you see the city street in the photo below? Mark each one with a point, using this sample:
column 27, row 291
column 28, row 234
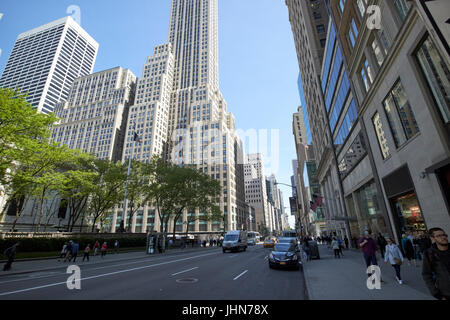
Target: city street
column 199, row 275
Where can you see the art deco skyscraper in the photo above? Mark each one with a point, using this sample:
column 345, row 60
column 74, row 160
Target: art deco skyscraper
column 46, row 60
column 192, row 125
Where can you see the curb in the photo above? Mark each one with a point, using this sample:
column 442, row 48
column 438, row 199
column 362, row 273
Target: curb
column 5, row 273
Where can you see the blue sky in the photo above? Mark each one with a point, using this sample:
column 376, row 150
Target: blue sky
column 257, row 59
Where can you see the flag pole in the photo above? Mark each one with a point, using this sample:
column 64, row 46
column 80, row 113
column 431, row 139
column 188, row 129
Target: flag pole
column 128, row 174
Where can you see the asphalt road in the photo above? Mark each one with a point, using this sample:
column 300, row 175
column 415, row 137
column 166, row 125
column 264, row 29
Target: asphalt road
column 209, row 275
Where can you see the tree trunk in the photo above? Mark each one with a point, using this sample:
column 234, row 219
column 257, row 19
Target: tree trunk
column 41, row 211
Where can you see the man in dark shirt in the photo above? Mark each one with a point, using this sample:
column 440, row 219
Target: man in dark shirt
column 436, row 265
column 369, row 248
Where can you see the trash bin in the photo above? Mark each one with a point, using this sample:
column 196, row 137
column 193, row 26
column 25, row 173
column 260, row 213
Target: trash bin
column 314, row 250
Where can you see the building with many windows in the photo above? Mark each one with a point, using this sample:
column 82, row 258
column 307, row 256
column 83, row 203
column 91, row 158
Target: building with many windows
column 180, row 114
column 94, row 117
column 46, row 60
column 400, row 75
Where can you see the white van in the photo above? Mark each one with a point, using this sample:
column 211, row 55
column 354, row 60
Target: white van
column 235, row 240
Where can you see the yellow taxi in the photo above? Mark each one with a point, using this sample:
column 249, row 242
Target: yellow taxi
column 269, row 243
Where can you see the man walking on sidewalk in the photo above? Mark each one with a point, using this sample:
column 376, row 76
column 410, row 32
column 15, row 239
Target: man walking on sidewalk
column 369, row 248
column 11, row 254
column 436, row 265
column 86, row 252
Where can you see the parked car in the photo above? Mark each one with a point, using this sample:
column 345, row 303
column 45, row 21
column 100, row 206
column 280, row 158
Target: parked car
column 235, row 240
column 269, row 243
column 285, row 255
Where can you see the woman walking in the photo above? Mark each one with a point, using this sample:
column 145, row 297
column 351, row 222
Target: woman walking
column 335, row 246
column 395, row 257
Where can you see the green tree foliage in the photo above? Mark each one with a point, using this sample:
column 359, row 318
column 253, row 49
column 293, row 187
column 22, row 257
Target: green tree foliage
column 108, row 189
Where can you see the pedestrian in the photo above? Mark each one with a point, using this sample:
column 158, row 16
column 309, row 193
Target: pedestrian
column 69, row 249
column 74, row 252
column 346, row 242
column 306, row 249
column 103, row 249
column 116, row 246
column 340, row 246
column 214, row 242
column 170, row 243
column 204, row 243
column 86, row 252
column 424, row 243
column 335, row 246
column 436, row 265
column 408, row 249
column 63, row 252
column 395, row 257
column 368, row 246
column 193, row 243
column 10, row 253
column 381, row 241
column 96, row 246
column 210, row 242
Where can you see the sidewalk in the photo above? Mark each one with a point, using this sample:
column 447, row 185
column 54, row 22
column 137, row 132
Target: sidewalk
column 345, row 279
column 22, row 267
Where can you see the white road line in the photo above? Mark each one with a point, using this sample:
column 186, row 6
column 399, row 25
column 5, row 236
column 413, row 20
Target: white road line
column 106, row 274
column 90, row 269
column 265, row 258
column 174, row 274
column 240, row 274
column 232, row 256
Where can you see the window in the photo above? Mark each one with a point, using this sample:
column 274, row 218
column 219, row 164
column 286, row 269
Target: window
column 321, row 28
column 377, row 52
column 342, row 5
column 353, row 33
column 402, row 8
column 362, row 4
column 400, row 115
column 366, row 75
column 437, row 74
column 380, row 135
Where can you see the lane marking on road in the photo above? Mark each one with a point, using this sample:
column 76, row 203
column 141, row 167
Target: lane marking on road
column 174, row 274
column 105, row 274
column 232, row 256
column 240, row 275
column 265, row 258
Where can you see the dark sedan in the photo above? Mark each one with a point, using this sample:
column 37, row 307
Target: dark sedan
column 284, row 255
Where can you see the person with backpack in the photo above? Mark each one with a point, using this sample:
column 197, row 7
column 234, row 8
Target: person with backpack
column 116, row 246
column 86, row 252
column 408, row 249
column 436, row 265
column 10, row 253
column 395, row 257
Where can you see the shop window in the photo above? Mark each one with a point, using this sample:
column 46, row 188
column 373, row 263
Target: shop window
column 408, row 213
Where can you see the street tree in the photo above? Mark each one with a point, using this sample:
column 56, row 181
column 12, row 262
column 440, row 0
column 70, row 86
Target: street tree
column 108, row 189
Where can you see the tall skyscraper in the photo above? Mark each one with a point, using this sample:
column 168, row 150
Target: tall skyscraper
column 181, row 115
column 46, row 60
